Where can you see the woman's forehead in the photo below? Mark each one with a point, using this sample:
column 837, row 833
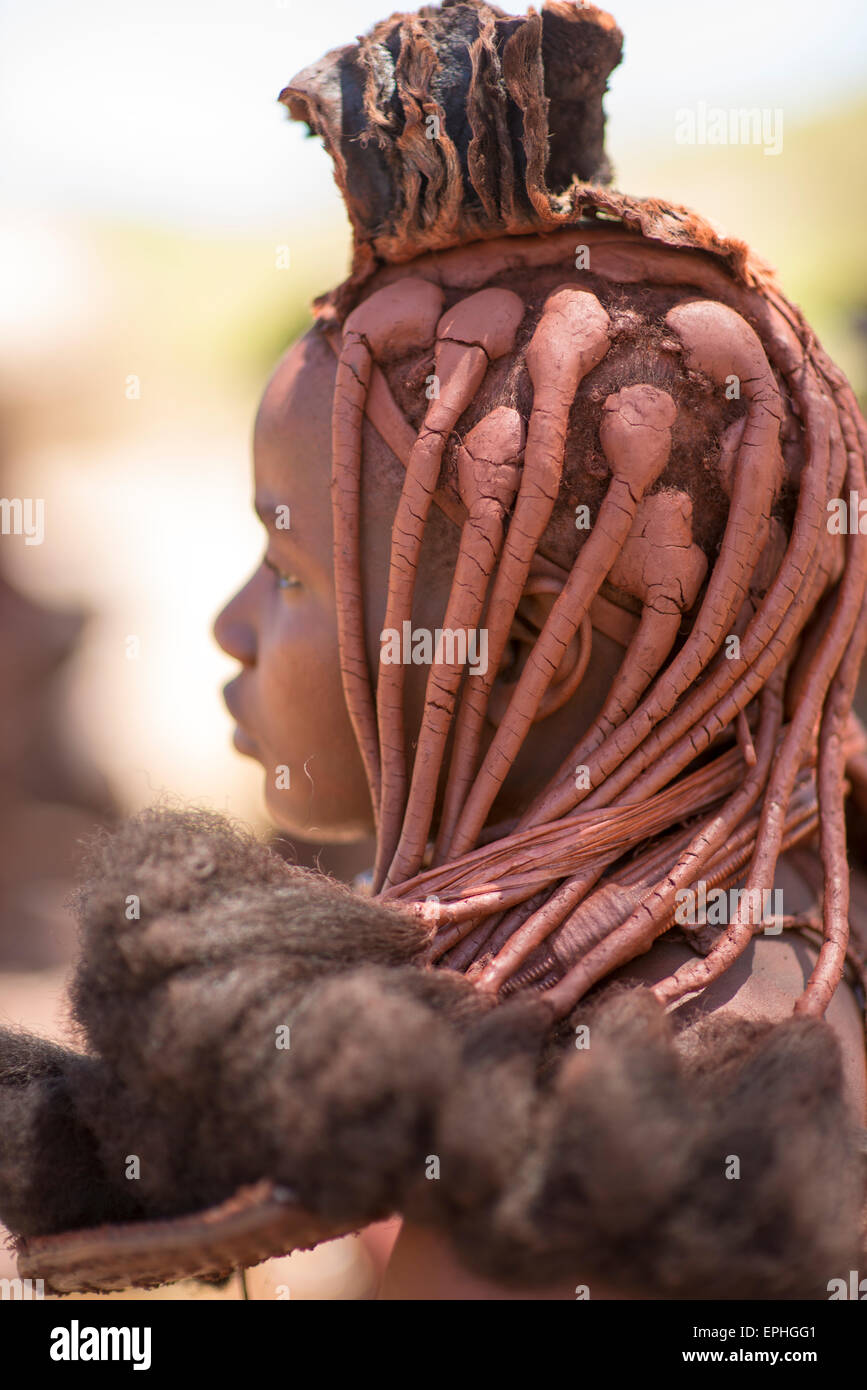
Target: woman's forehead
column 300, row 388
column 292, row 436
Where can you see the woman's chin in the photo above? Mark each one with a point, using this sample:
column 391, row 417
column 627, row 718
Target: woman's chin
column 245, row 744
column 323, row 829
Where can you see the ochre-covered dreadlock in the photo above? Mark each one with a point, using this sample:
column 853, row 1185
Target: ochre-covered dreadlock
column 709, row 515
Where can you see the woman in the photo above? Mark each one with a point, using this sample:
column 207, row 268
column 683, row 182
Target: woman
column 550, row 604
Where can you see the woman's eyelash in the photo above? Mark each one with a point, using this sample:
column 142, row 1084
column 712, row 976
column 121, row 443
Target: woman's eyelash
column 284, row 581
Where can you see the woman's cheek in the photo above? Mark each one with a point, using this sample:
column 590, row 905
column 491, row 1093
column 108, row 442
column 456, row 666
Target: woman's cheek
column 297, row 680
column 313, row 770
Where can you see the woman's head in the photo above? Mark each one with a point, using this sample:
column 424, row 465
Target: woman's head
column 288, row 699
column 601, row 457
column 282, row 626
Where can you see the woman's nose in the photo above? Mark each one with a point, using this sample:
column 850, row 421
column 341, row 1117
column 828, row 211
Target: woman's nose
column 234, row 631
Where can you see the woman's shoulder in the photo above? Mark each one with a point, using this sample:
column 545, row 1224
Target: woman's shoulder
column 768, row 979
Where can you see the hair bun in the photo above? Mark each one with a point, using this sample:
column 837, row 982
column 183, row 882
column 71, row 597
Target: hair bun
column 458, row 122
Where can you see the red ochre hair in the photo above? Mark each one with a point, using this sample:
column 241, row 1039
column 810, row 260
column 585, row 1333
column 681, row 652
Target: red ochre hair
column 583, row 342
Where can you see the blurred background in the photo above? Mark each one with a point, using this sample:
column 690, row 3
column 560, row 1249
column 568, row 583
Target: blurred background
column 163, row 229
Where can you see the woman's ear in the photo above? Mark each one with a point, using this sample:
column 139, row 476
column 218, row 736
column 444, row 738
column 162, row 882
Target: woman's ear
column 539, row 596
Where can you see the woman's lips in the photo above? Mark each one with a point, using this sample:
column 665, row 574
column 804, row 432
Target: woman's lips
column 242, row 740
